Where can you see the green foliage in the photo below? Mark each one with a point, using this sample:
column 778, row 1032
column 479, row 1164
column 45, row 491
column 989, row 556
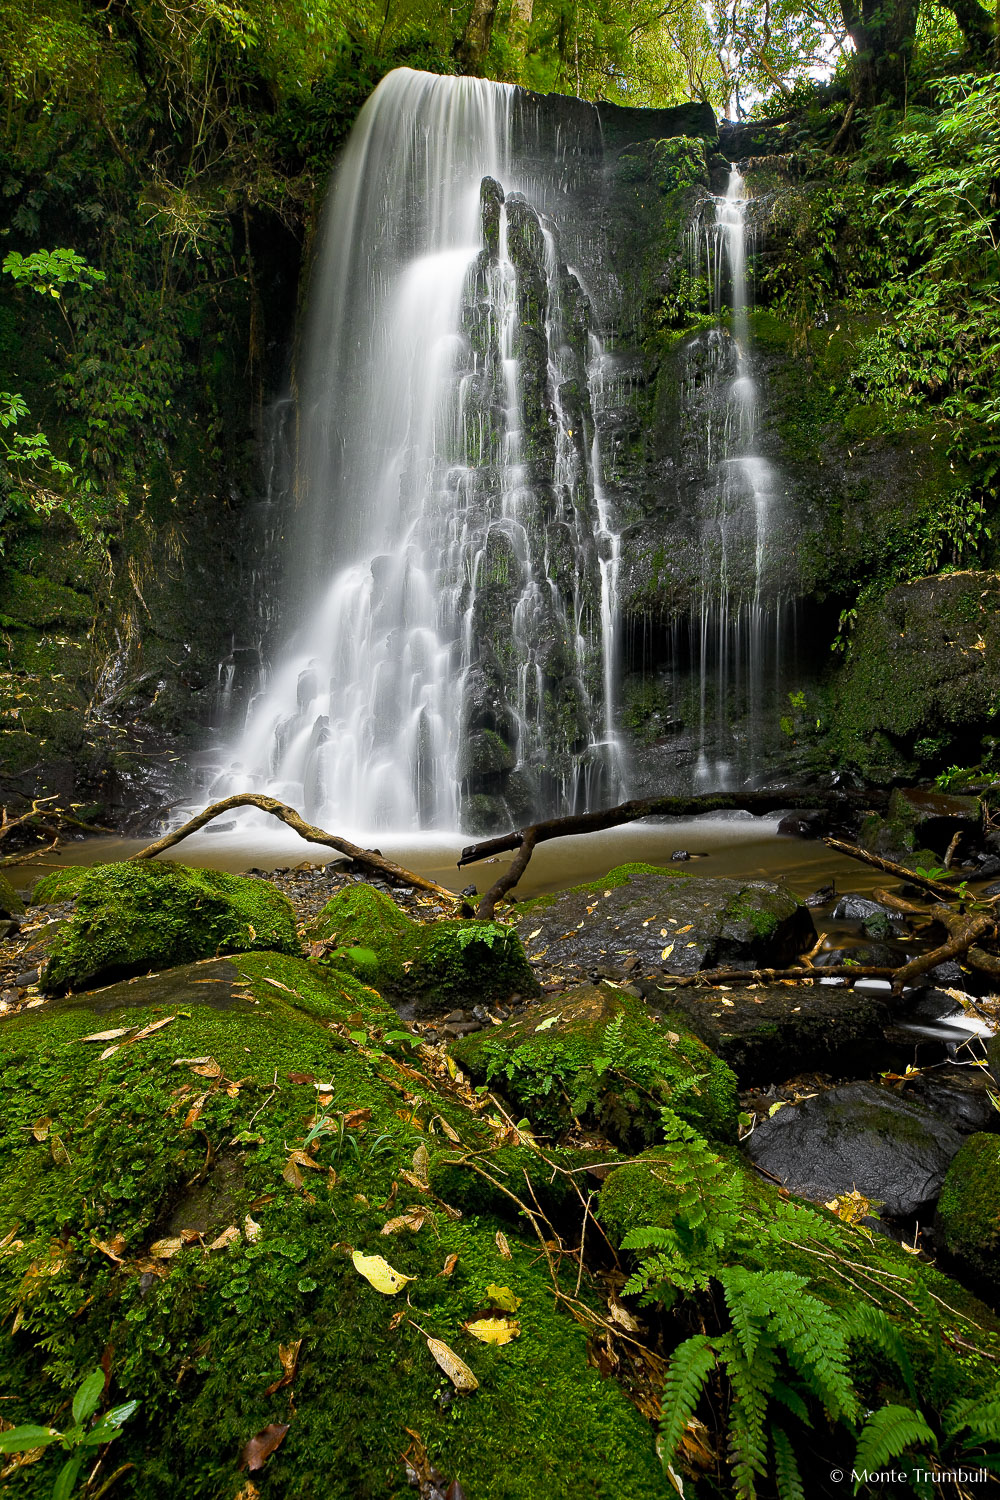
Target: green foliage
column 76, row 1440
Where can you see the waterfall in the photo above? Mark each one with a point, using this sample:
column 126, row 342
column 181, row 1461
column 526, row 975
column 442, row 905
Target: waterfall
column 738, row 625
column 451, row 587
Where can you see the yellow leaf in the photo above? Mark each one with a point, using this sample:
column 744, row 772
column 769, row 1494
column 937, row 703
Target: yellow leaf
column 503, row 1297
column 456, row 1369
column 377, row 1270
column 40, row 1129
column 493, row 1330
column 225, row 1238
column 667, row 951
column 688, row 928
column 164, row 1249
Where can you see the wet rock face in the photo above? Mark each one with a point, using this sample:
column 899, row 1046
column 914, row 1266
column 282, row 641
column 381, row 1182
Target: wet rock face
column 666, row 923
column 892, row 1150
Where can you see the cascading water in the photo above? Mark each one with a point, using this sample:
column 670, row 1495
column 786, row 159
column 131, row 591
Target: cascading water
column 454, row 556
column 737, row 628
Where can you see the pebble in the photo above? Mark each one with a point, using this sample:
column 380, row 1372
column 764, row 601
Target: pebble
column 29, row 976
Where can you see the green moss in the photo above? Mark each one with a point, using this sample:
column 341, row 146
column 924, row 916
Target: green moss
column 969, row 1207
column 133, row 917
column 11, row 904
column 197, row 1345
column 30, row 600
column 445, row 960
column 756, row 909
column 616, row 877
column 606, row 1061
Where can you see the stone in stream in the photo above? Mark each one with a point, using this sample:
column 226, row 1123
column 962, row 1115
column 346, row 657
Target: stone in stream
column 858, row 1136
column 648, row 921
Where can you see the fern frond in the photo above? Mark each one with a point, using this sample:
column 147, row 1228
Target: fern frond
column 981, row 1415
column 871, row 1324
column 751, row 1385
column 792, row 1401
column 888, row 1433
column 649, row 1237
column 787, row 1478
column 690, row 1366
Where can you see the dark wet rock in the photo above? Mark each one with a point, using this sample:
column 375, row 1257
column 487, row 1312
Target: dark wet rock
column 865, row 955
column 992, row 890
column 932, row 1004
column 821, row 897
column 680, row 854
column 802, row 825
column 988, row 868
column 949, row 972
column 878, row 926
column 544, row 1062
column 666, row 921
column 29, row 976
column 960, row 1095
column 851, row 908
column 769, row 1034
column 858, row 1136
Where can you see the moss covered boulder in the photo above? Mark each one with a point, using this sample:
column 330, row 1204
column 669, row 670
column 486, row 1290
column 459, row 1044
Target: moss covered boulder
column 427, row 966
column 597, row 1056
column 186, row 1202
column 130, row 918
column 968, row 1214
column 11, row 904
column 643, row 920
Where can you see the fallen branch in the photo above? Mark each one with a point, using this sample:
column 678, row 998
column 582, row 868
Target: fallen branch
column 368, row 859
column 713, row 977
column 525, row 839
column 964, row 934
column 889, row 867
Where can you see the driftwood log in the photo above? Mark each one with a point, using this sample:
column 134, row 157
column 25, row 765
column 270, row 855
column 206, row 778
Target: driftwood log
column 367, row 859
column 525, row 840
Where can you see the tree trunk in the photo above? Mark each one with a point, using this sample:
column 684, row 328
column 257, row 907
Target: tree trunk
column 474, row 43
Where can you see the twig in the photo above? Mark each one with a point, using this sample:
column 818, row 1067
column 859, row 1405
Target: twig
column 889, row 867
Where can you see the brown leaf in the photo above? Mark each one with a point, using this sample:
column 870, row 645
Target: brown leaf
column 225, row 1238
column 150, row 1267
column 153, row 1026
column 248, row 1492
column 40, row 1129
column 421, row 1164
column 396, row 1319
column 355, row 1117
column 413, row 1219
column 260, row 1447
column 112, row 1249
column 303, row 1159
column 503, row 1246
column 58, row 1151
column 289, row 1356
column 164, row 1249
column 331, row 1180
column 415, row 1181
column 107, row 1036
column 192, row 1236
column 449, row 1130
column 456, row 1369
column 449, row 1265
column 207, row 1069
column 301, row 1077
column 291, row 1174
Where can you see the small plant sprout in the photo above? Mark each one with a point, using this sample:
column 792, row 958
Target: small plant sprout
column 78, row 1441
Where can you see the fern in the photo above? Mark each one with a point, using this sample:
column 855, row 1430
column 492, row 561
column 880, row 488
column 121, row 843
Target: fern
column 787, row 1478
column 870, row 1324
column 888, row 1433
column 980, row 1415
column 751, row 1382
column 690, row 1366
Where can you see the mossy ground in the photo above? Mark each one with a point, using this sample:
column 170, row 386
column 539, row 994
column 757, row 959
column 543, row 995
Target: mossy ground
column 130, row 918
column 198, row 1345
column 969, row 1206
column 444, row 961
column 616, row 877
column 600, row 1057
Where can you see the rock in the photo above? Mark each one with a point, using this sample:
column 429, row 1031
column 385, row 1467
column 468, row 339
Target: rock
column 130, row 918
column 961, row 1095
column 992, row 890
column 427, row 965
column 667, row 921
column 29, row 976
column 821, row 897
column 988, row 868
column 865, row 955
column 968, row 1214
column 125, row 1156
column 878, row 926
column 858, row 1136
column 595, row 1053
column 769, row 1034
column 852, row 908
column 680, row 854
column 799, row 825
column 949, row 972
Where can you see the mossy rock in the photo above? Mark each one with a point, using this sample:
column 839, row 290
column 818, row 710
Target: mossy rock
column 430, row 964
column 968, row 1211
column 596, row 1054
column 134, row 917
column 138, row 1148
column 11, row 904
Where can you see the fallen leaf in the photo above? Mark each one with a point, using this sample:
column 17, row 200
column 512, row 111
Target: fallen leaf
column 493, row 1330
column 622, row 1316
column 450, row 1263
column 377, row 1271
column 113, row 1249
column 248, row 1492
column 667, row 951
column 414, row 1219
column 502, row 1245
column 456, row 1369
column 189, row 1062
column 688, row 928
column 225, row 1238
column 279, row 986
column 289, row 1357
column 153, row 1026
column 549, row 1021
column 355, row 1117
column 502, row 1297
column 421, row 1164
column 449, row 1131
column 301, row 1077
column 107, row 1036
column 164, row 1249
column 40, row 1129
column 303, row 1159
column 58, row 1151
column 396, row 1319
column 251, row 1230
column 533, row 934
column 207, row 1069
column 259, row 1449
column 291, row 1174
